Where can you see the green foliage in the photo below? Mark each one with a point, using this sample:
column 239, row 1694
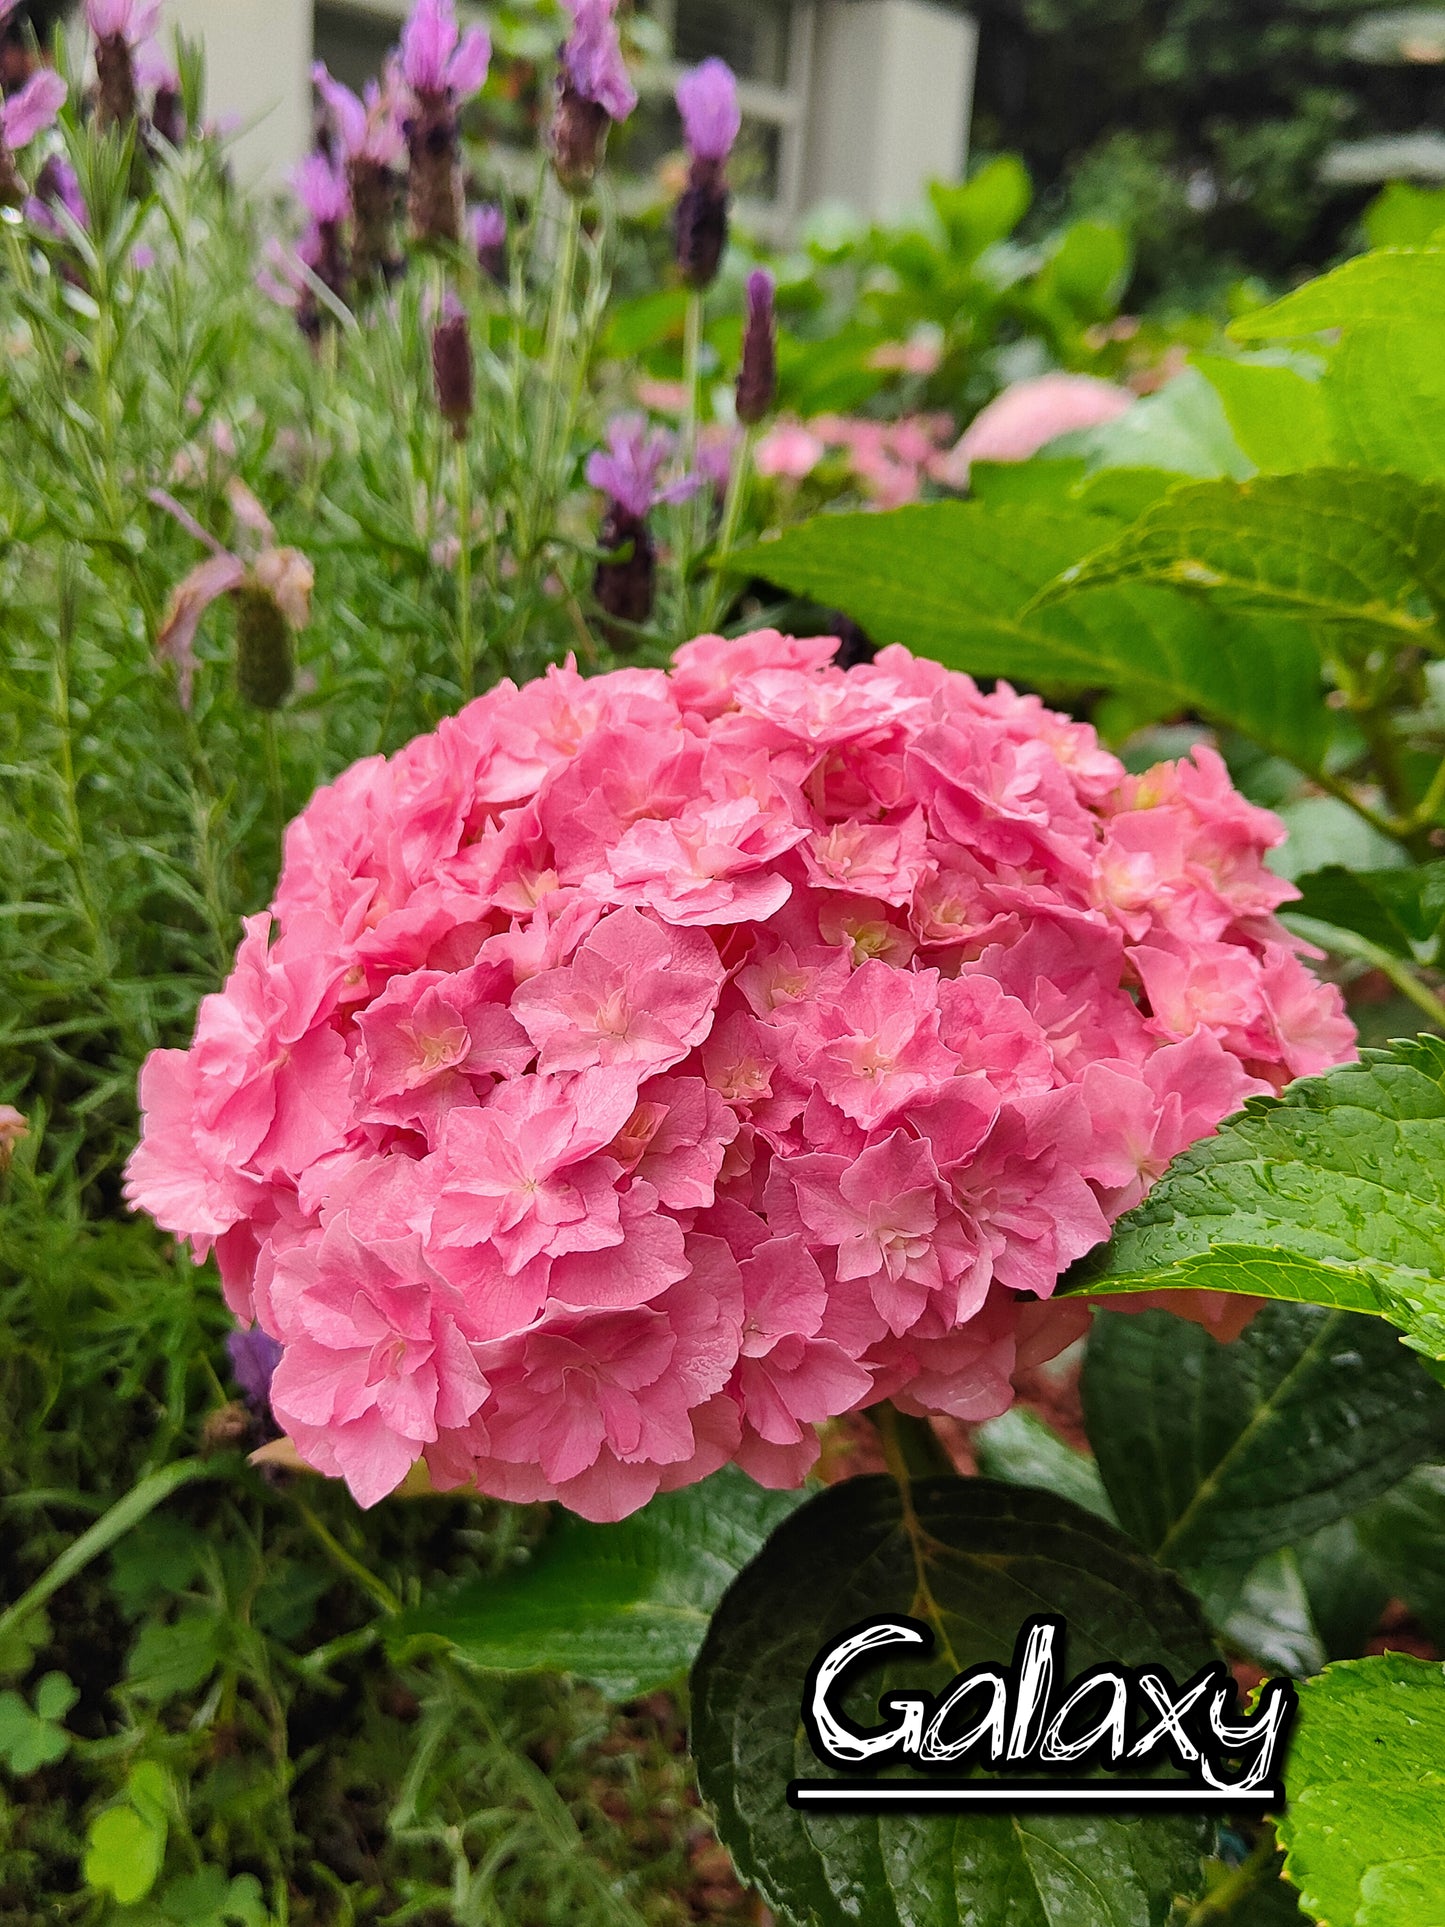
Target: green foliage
column 126, row 1844
column 1362, row 1829
column 1405, row 217
column 964, row 582
column 35, row 1737
column 1404, row 1536
column 1020, row 1449
column 1201, row 126
column 1277, row 413
column 624, row 1606
column 1212, row 1453
column 1328, row 1195
column 974, row 1559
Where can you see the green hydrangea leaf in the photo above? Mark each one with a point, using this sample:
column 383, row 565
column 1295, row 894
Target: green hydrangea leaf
column 625, row 1605
column 1213, row 1453
column 1404, row 1535
column 1392, row 285
column 1333, row 1194
column 955, row 580
column 1402, row 911
column 976, row 1558
column 1021, row 1450
column 1364, row 1829
column 1279, row 416
column 1348, row 554
column 1385, row 390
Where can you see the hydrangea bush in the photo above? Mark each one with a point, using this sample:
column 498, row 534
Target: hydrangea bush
column 637, row 1071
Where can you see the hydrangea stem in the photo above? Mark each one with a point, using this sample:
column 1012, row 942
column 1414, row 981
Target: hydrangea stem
column 911, row 1447
column 1238, row 1882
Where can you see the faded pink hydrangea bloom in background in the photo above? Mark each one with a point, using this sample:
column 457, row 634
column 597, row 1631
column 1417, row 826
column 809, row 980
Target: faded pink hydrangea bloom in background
column 1018, row 423
column 639, row 1071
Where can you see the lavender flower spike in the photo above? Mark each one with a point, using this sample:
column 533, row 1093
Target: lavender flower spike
column 437, row 58
column 707, row 99
column 31, row 109
column 440, row 67
column 23, row 115
column 758, row 377
column 592, row 58
column 627, row 470
column 488, row 229
column 254, row 1357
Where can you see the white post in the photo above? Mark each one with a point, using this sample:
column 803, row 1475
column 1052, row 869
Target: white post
column 890, row 101
column 258, row 77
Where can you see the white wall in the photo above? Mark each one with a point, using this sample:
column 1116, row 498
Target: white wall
column 258, row 76
column 890, row 101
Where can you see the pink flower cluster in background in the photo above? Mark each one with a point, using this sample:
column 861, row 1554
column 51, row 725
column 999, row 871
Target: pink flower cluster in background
column 638, row 1071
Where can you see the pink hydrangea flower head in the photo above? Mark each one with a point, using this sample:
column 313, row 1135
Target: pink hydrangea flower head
column 437, row 58
column 31, row 109
column 1017, row 423
column 707, row 99
column 640, row 1071
column 592, row 57
column 789, row 450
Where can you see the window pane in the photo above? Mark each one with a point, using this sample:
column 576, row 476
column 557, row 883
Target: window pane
column 353, row 43
column 750, row 35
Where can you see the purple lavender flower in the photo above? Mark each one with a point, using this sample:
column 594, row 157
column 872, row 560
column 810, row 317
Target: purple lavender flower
column 437, row 58
column 367, row 125
column 254, row 1357
column 627, row 471
column 488, row 229
column 23, row 115
column 370, row 137
column 758, row 377
column 592, row 58
column 440, row 67
column 156, row 74
column 321, row 189
column 31, row 109
column 57, row 185
column 707, row 99
column 130, row 20
column 119, row 26
column 452, row 372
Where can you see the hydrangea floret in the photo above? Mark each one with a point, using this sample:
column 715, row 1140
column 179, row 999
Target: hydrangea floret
column 639, row 1071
